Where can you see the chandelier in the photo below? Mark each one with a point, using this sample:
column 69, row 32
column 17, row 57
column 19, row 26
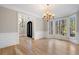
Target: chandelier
column 48, row 15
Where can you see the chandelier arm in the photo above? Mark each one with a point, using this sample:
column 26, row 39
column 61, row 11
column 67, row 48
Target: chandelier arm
column 48, row 15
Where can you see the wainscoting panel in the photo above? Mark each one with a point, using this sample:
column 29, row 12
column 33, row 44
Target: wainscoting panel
column 8, row 39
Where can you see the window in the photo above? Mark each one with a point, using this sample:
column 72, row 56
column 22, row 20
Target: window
column 63, row 27
column 51, row 27
column 72, row 26
column 57, row 27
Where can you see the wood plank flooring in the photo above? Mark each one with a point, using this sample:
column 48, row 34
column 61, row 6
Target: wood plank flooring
column 8, row 51
column 29, row 46
column 47, row 47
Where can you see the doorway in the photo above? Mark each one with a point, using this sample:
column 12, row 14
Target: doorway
column 29, row 29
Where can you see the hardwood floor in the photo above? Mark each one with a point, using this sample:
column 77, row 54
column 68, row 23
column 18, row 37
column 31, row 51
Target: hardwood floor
column 8, row 51
column 47, row 47
column 29, row 46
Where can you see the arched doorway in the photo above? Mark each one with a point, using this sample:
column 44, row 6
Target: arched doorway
column 29, row 29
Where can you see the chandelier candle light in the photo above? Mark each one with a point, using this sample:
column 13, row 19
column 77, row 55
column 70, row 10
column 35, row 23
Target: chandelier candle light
column 48, row 15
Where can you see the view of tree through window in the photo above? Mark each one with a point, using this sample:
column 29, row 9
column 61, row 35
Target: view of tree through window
column 72, row 26
column 57, row 26
column 61, row 27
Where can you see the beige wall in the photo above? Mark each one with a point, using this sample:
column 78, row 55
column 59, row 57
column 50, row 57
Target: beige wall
column 40, row 28
column 40, row 25
column 8, row 20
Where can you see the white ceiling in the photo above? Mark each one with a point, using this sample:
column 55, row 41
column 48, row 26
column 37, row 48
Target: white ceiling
column 59, row 9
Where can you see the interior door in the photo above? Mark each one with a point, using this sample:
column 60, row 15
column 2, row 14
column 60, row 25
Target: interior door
column 29, row 29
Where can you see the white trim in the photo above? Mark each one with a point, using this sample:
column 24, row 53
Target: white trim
column 8, row 39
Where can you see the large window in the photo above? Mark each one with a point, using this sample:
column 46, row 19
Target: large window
column 66, row 27
column 22, row 25
column 57, row 27
column 72, row 26
column 61, row 27
column 51, row 27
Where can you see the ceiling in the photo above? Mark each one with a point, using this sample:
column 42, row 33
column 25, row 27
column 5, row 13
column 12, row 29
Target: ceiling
column 37, row 9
